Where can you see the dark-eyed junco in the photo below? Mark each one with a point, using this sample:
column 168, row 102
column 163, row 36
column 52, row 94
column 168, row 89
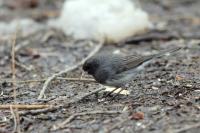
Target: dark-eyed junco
column 117, row 70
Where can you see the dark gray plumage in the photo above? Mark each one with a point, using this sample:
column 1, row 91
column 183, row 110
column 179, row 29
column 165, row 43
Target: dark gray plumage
column 116, row 70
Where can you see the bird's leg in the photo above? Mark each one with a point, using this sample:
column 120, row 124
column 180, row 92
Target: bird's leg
column 117, row 93
column 111, row 92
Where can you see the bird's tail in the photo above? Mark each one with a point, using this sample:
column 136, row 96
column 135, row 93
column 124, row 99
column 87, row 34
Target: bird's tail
column 137, row 61
column 164, row 53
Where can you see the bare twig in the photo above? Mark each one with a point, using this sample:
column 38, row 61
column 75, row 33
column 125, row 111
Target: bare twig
column 23, row 66
column 77, row 79
column 23, row 106
column 72, row 117
column 22, row 44
column 43, row 80
column 18, row 121
column 68, row 70
column 14, row 118
column 13, row 67
column 187, row 128
column 39, row 111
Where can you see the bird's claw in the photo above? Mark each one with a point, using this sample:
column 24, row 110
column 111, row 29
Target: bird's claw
column 114, row 91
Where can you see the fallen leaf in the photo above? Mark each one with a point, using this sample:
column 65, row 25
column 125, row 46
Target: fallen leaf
column 178, row 77
column 137, row 116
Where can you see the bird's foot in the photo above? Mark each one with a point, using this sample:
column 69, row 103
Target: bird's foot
column 114, row 92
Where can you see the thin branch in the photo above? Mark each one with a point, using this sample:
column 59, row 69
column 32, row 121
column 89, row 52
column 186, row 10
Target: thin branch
column 22, row 44
column 39, row 111
column 68, row 70
column 18, row 121
column 23, row 66
column 43, row 80
column 23, row 106
column 14, row 119
column 72, row 117
column 13, row 67
column 77, row 79
column 14, row 83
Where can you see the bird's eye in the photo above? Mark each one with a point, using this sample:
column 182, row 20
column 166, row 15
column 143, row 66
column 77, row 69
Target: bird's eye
column 85, row 67
column 90, row 66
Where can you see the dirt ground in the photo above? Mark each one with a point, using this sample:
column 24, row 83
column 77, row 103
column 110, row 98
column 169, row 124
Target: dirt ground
column 165, row 97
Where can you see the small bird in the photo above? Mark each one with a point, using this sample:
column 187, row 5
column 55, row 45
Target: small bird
column 117, row 70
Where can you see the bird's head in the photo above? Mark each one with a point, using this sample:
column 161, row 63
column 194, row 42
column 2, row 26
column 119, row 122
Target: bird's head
column 91, row 66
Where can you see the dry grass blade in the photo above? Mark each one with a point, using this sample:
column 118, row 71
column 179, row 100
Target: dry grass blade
column 13, row 67
column 43, row 80
column 14, row 118
column 15, row 113
column 23, row 106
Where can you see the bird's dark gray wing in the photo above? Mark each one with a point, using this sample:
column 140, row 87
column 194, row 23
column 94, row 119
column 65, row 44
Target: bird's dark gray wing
column 133, row 61
column 129, row 67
